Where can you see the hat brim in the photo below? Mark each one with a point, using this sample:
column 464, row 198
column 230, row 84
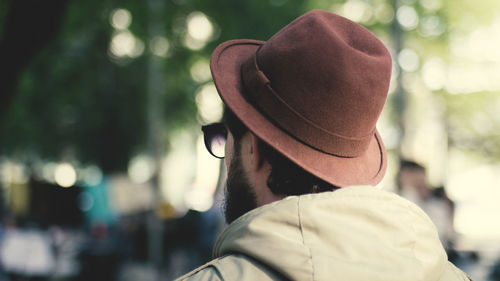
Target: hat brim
column 367, row 169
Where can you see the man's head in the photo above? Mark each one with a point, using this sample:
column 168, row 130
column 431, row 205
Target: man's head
column 412, row 180
column 308, row 101
column 271, row 178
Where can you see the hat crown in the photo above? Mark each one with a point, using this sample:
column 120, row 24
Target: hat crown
column 331, row 73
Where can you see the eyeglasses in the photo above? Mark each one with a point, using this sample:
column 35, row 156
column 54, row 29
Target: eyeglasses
column 215, row 136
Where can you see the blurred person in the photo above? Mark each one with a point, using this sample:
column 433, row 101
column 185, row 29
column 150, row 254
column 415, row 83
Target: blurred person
column 412, row 184
column 101, row 256
column 494, row 273
column 26, row 253
column 303, row 154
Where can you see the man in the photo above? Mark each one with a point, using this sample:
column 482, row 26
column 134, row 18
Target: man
column 302, row 151
column 412, row 184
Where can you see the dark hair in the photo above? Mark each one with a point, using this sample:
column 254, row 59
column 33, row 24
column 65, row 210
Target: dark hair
column 410, row 165
column 286, row 177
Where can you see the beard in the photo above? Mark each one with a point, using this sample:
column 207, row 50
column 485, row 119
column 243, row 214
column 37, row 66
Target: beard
column 239, row 194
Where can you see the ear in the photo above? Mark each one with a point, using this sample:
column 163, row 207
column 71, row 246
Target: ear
column 257, row 159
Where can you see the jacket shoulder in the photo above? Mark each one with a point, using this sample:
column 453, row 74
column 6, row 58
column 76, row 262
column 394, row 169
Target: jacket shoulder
column 452, row 273
column 231, row 267
column 206, row 272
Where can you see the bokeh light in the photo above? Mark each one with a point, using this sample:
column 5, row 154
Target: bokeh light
column 408, row 60
column 358, row 11
column 432, row 26
column 384, row 13
column 13, row 172
column 177, row 170
column 120, row 18
column 200, row 71
column 431, row 5
column 199, row 30
column 65, row 175
column 199, row 200
column 91, row 175
column 209, row 105
column 141, row 168
column 434, row 73
column 125, row 44
column 407, row 17
column 85, row 201
column 201, row 196
column 159, row 46
column 199, row 26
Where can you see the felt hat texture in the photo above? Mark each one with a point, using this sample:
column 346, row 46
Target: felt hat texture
column 314, row 92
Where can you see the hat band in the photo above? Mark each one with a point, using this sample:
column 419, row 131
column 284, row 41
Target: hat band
column 260, row 94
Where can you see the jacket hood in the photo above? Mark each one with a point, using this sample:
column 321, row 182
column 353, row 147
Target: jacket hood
column 354, row 233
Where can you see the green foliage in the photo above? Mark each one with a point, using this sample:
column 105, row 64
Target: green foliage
column 474, row 123
column 74, row 100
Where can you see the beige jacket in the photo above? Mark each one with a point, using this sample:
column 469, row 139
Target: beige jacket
column 355, row 233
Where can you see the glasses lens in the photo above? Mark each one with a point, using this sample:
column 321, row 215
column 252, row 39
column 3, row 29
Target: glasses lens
column 215, row 139
column 217, row 145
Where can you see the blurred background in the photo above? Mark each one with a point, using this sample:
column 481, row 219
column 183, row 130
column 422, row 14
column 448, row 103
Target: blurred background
column 103, row 173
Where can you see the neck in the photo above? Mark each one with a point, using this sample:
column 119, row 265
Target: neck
column 263, row 193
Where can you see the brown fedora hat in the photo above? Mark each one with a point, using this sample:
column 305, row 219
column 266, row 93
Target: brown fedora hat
column 314, row 92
